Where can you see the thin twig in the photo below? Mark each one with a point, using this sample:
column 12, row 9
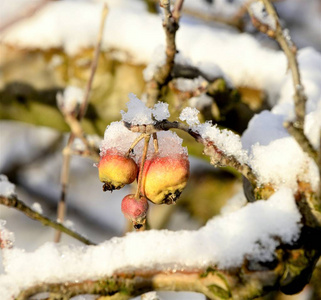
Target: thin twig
column 27, row 13
column 218, row 157
column 155, row 141
column 137, row 140
column 93, row 67
column 64, row 179
column 14, row 202
column 140, row 176
column 61, row 210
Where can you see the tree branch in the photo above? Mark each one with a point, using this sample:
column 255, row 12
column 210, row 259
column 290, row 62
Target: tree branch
column 14, row 202
column 163, row 74
column 218, row 157
column 296, row 129
column 213, row 283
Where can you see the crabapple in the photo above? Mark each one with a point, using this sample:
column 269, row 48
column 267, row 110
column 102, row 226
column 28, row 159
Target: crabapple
column 164, row 178
column 135, row 209
column 116, row 170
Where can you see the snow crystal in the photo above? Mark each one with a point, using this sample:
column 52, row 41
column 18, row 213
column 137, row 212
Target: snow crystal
column 138, row 113
column 7, row 188
column 71, row 98
column 160, row 111
column 190, row 115
column 254, row 232
column 117, row 136
column 7, row 238
column 37, row 208
column 261, row 14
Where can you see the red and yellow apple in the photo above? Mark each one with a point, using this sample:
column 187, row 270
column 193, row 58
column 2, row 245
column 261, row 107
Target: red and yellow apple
column 164, row 178
column 116, row 170
column 135, row 209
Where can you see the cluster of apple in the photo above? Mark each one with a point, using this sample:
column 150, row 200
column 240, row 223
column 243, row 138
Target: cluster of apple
column 163, row 175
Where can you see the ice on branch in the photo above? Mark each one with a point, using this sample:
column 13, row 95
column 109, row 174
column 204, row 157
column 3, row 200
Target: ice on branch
column 138, row 113
column 71, row 98
column 7, row 189
column 160, row 111
column 7, row 238
column 117, row 136
column 254, row 232
column 261, row 14
column 190, row 115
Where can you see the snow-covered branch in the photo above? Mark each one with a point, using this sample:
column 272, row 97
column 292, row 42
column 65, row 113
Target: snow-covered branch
column 218, row 156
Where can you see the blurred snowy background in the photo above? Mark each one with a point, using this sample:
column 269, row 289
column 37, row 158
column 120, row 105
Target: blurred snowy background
column 31, row 156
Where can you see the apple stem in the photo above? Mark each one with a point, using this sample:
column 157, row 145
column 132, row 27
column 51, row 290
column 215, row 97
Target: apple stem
column 137, row 140
column 155, row 142
column 140, row 176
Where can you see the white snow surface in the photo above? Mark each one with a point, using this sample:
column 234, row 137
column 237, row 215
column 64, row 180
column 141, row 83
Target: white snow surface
column 138, row 113
column 190, row 115
column 261, row 14
column 225, row 140
column 37, row 207
column 7, row 238
column 160, row 111
column 7, row 188
column 272, row 150
column 137, row 33
column 223, row 241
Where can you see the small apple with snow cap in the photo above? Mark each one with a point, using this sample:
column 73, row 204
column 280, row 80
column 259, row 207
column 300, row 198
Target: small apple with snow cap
column 116, row 170
column 135, row 209
column 164, row 178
